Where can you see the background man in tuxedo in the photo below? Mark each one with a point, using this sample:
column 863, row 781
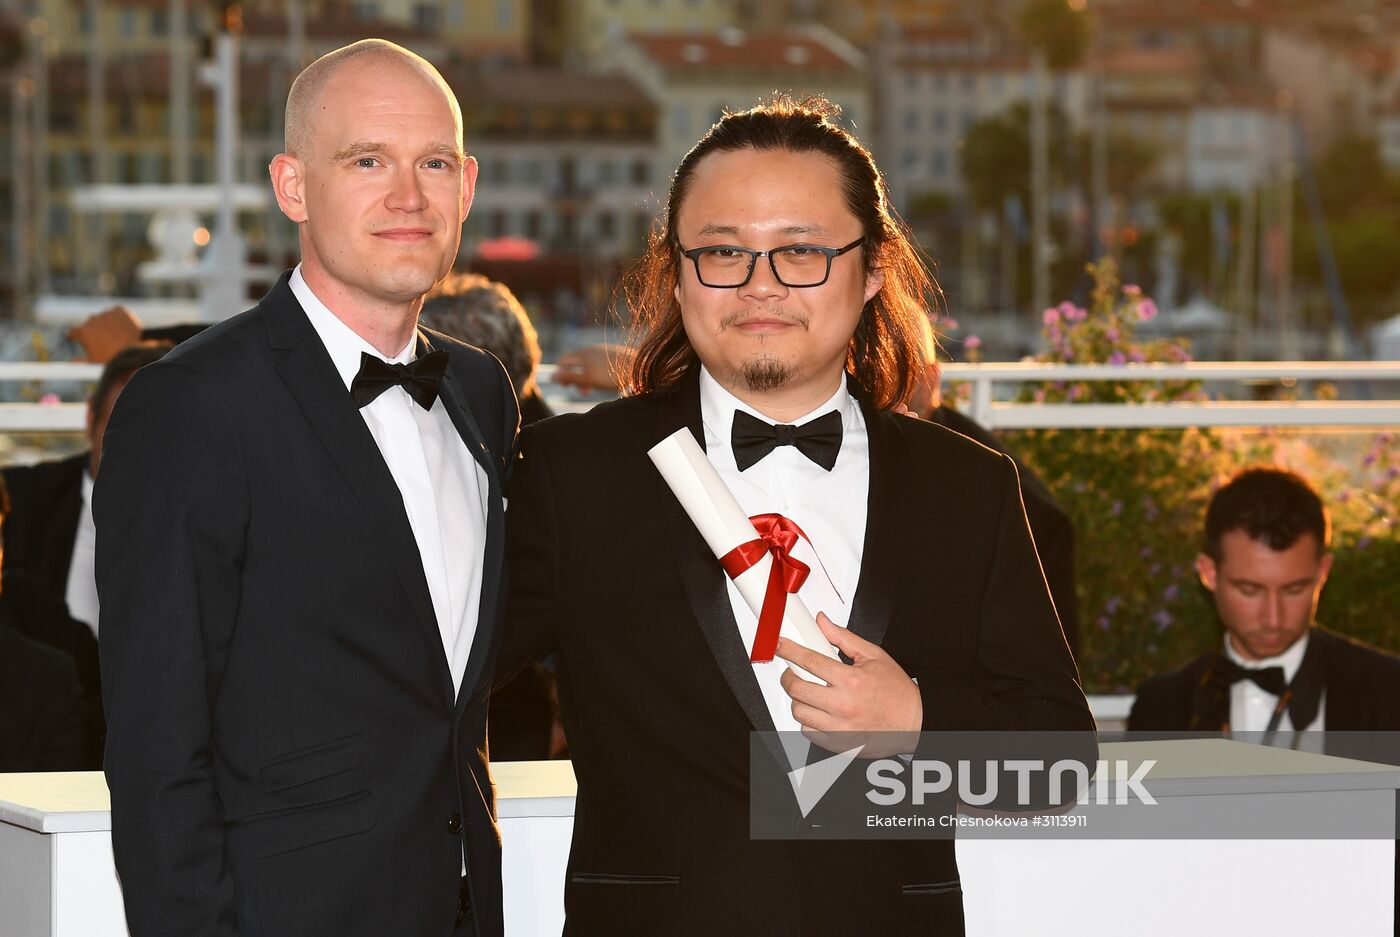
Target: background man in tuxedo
column 50, row 590
column 298, row 553
column 1265, row 561
column 779, row 290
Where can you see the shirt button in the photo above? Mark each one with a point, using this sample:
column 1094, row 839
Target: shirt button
column 454, row 824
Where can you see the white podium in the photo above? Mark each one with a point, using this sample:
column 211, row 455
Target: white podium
column 57, row 879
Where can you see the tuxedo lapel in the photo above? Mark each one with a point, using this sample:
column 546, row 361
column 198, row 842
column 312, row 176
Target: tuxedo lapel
column 701, row 573
column 454, row 400
column 884, row 552
column 311, row 378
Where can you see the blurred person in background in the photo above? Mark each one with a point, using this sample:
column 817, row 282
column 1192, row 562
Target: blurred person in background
column 485, row 313
column 42, row 713
column 1265, row 561
column 50, row 538
column 523, row 717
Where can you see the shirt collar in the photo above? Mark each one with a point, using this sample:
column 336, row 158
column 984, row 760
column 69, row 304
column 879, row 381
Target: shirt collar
column 342, row 342
column 717, row 406
column 1290, row 660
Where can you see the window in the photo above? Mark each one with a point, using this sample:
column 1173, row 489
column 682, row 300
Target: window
column 128, row 24
column 499, row 224
column 969, row 82
column 533, row 224
column 364, row 10
column 940, row 164
column 606, row 172
column 968, row 119
column 940, row 82
column 940, row 121
column 911, row 120
column 151, row 168
column 607, row 226
column 159, row 23
column 641, row 172
column 426, row 16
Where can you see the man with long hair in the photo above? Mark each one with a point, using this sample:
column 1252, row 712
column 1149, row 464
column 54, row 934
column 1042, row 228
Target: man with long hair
column 780, row 316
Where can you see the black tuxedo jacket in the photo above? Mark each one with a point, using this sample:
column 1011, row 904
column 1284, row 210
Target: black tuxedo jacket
column 1362, row 684
column 658, row 697
column 285, row 753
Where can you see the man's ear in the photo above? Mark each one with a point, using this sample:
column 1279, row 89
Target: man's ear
column 469, row 171
column 289, row 185
column 1206, row 569
column 1324, row 568
column 874, row 282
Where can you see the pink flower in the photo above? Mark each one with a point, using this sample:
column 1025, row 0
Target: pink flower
column 1136, row 356
column 1051, row 316
column 1111, row 335
column 950, row 324
column 1147, row 309
column 972, row 343
column 1076, row 314
column 1117, row 358
column 1132, row 290
column 50, row 400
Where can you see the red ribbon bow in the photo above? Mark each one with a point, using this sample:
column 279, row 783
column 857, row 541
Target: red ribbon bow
column 776, row 536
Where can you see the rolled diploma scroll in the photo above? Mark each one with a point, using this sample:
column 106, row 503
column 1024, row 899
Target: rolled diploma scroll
column 724, row 525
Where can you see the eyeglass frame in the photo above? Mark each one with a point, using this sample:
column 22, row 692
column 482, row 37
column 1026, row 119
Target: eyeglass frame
column 830, row 253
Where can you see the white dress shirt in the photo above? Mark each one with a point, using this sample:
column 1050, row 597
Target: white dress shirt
column 830, row 508
column 1251, row 707
column 81, row 594
column 443, row 488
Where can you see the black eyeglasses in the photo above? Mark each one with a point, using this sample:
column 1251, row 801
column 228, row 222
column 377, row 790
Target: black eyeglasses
column 795, row 265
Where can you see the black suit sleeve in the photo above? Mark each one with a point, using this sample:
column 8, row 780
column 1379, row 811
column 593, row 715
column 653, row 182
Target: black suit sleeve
column 532, row 561
column 1025, row 678
column 171, row 507
column 1156, row 708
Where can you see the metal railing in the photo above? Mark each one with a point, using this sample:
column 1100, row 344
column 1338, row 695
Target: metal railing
column 985, row 408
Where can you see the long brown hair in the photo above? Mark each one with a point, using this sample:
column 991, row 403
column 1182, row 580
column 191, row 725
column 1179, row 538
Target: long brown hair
column 889, row 352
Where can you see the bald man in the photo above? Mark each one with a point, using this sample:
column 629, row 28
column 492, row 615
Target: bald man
column 299, row 523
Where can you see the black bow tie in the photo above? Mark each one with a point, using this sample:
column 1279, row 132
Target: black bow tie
column 1269, row 679
column 752, row 439
column 420, row 378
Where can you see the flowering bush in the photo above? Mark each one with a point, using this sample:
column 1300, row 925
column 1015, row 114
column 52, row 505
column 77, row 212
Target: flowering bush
column 1138, row 499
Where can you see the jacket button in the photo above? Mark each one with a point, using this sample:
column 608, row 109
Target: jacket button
column 454, row 824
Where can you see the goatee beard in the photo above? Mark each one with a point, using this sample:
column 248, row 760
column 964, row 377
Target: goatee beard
column 762, row 375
